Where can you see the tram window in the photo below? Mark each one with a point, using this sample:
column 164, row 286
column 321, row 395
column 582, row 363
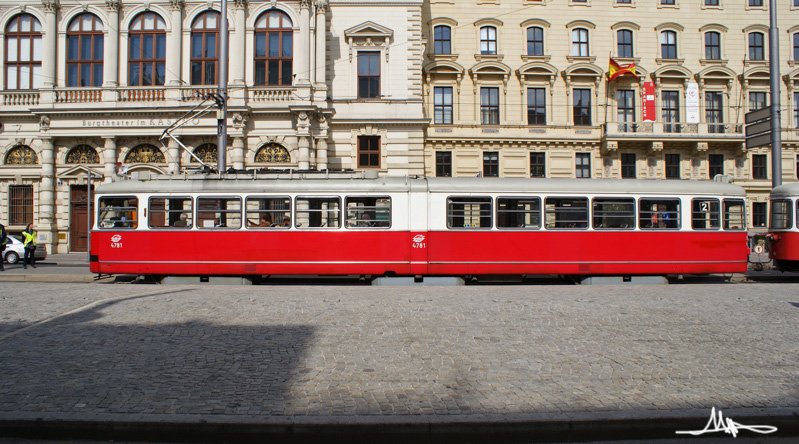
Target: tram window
column 705, row 214
column 170, row 212
column 659, row 214
column 519, row 212
column 219, row 212
column 365, row 212
column 318, row 212
column 614, row 213
column 117, row 212
column 566, row 212
column 734, row 214
column 268, row 212
column 469, row 212
column 781, row 214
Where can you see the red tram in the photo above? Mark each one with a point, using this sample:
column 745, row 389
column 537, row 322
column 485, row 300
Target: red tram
column 784, row 228
column 251, row 225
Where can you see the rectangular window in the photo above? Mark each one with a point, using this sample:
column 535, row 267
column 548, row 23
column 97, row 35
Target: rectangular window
column 796, row 45
column 670, row 105
column 118, row 212
column 20, row 204
column 711, row 2
column 666, row 2
column 318, row 212
column 368, row 75
column 170, row 212
column 659, row 214
column 624, row 43
column 713, row 111
column 668, row 45
column 368, row 212
column 734, row 214
column 582, row 165
column 268, row 212
column 368, row 151
column 756, row 49
column 488, row 40
column 796, row 110
column 443, row 163
column 759, row 214
column 581, row 106
column 535, row 41
column 672, row 166
column 442, row 97
column 490, row 164
column 519, row 212
column 715, row 165
column 580, row 42
column 759, row 168
column 218, row 212
column 536, row 106
column 712, row 45
column 442, row 40
column 628, row 166
column 538, row 164
column 755, row 2
column 469, row 212
column 625, row 107
column 781, row 213
column 489, row 106
column 757, row 100
column 566, row 212
column 705, row 214
column 614, row 213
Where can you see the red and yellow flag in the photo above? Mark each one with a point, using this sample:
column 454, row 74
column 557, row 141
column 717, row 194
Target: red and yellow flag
column 615, row 70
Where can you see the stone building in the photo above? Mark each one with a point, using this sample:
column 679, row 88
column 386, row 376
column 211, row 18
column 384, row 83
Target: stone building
column 90, row 86
column 519, row 88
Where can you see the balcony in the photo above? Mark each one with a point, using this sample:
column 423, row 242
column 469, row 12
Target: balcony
column 672, row 130
column 19, row 98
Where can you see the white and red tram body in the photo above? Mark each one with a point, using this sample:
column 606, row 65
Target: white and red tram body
column 784, row 227
column 409, row 226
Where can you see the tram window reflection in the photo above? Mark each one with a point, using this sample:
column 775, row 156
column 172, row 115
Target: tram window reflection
column 734, row 214
column 318, row 212
column 367, row 211
column 614, row 213
column 519, row 212
column 659, row 214
column 268, row 212
column 469, row 212
column 170, row 212
column 117, row 212
column 566, row 212
column 705, row 214
column 781, row 214
column 219, row 212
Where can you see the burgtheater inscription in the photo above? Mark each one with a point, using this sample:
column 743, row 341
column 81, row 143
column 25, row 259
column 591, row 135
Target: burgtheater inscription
column 109, row 123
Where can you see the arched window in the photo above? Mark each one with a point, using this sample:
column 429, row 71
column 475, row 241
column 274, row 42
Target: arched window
column 147, row 41
column 85, row 51
column 442, row 40
column 756, row 49
column 272, row 153
column 207, row 153
column 488, row 40
column 82, row 154
column 24, row 53
column 713, row 45
column 580, row 42
column 624, row 42
column 21, row 155
column 145, row 154
column 273, row 49
column 668, row 45
column 535, row 41
column 204, row 46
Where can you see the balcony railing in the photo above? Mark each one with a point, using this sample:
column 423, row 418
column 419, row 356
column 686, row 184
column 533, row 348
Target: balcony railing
column 671, row 129
column 78, row 95
column 141, row 94
column 20, row 98
column 271, row 94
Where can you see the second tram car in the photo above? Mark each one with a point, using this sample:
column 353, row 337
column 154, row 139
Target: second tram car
column 784, row 227
column 242, row 225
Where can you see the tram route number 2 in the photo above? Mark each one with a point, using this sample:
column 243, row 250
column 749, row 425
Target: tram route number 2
column 418, row 241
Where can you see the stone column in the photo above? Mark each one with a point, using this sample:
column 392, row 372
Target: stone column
column 111, row 43
column 304, row 159
column 173, row 156
column 46, row 224
column 237, row 153
column 237, row 47
column 321, row 154
column 321, row 44
column 109, row 158
column 173, row 44
column 304, row 43
column 49, row 43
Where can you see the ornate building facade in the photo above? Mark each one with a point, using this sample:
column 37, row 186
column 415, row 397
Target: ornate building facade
column 90, row 86
column 519, row 89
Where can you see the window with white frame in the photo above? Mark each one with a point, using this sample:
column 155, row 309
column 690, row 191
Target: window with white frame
column 624, row 43
column 712, row 45
column 535, row 41
column 489, row 106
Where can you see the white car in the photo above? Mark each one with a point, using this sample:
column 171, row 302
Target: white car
column 15, row 251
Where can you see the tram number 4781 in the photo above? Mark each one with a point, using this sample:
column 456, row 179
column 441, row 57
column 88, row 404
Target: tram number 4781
column 418, row 241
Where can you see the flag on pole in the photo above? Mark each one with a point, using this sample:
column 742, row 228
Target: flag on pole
column 615, row 70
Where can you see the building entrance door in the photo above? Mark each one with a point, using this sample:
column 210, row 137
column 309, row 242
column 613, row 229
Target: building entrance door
column 78, row 230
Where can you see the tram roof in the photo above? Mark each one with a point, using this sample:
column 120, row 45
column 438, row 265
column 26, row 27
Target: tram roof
column 786, row 190
column 247, row 184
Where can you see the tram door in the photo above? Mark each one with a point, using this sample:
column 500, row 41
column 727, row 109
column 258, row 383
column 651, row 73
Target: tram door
column 79, row 214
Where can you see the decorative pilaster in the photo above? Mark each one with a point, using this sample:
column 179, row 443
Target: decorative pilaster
column 47, row 191
column 111, row 50
column 321, row 44
column 305, row 40
column 237, row 41
column 49, row 43
column 237, row 153
column 173, row 46
column 110, row 156
column 304, row 160
column 173, row 156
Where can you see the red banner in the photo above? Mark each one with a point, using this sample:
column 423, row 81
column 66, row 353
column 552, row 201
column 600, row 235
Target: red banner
column 648, row 101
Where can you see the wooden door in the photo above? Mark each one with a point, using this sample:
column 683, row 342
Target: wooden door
column 78, row 229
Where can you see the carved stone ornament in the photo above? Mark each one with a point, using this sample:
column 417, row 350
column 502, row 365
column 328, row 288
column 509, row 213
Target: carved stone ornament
column 44, row 123
column 113, row 4
column 239, row 120
column 50, row 5
column 177, row 4
column 303, row 116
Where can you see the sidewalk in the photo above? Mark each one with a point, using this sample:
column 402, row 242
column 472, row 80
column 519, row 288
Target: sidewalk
column 67, row 267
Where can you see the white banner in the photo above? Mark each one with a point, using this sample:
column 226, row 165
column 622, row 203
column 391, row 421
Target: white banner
column 692, row 103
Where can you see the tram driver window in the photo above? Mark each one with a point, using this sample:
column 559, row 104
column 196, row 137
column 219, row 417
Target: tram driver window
column 734, row 214
column 268, row 212
column 705, row 214
column 781, row 214
column 614, row 213
column 318, row 212
column 117, row 212
column 519, row 212
column 566, row 212
column 170, row 212
column 659, row 214
column 469, row 212
column 366, row 212
column 219, row 212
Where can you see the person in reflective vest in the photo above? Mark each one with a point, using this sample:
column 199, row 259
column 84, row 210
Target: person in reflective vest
column 3, row 242
column 29, row 242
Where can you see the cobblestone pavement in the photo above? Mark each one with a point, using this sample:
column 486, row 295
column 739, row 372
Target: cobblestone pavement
column 337, row 352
